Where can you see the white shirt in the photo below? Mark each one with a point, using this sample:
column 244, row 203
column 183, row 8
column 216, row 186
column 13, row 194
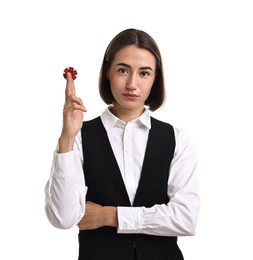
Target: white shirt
column 66, row 190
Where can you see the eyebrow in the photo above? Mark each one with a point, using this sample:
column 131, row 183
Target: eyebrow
column 128, row 66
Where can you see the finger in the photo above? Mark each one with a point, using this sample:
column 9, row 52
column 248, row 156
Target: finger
column 74, row 107
column 70, row 86
column 74, row 102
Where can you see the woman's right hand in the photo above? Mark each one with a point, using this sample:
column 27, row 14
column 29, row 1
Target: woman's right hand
column 72, row 117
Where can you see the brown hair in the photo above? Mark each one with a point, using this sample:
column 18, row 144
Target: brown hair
column 143, row 40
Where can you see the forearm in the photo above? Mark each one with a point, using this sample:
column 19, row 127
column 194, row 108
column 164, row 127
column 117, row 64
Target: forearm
column 162, row 220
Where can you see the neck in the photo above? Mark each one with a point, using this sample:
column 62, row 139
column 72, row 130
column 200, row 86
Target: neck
column 126, row 115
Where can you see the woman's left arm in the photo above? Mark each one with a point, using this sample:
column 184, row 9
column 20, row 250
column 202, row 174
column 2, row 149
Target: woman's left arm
column 179, row 217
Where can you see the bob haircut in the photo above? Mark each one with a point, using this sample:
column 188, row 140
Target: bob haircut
column 142, row 40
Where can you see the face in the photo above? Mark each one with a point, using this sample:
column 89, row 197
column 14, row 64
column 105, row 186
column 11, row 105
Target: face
column 131, row 76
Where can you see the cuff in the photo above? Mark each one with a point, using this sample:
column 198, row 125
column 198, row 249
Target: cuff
column 129, row 220
column 64, row 164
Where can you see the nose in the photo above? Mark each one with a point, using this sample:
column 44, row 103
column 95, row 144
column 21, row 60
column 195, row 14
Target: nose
column 131, row 83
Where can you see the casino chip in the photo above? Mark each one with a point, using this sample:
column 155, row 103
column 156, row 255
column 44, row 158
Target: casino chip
column 70, row 70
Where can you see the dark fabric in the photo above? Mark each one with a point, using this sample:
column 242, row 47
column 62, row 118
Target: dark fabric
column 106, row 187
column 135, row 254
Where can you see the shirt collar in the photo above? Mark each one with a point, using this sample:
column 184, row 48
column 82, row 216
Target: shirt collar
column 110, row 120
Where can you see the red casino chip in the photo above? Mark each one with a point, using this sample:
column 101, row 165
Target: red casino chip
column 70, row 70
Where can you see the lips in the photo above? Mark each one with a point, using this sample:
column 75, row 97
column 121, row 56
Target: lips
column 130, row 95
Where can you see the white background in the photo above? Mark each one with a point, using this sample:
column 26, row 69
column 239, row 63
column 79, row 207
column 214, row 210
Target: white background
column 207, row 48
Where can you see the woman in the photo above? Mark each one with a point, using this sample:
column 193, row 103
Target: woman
column 126, row 179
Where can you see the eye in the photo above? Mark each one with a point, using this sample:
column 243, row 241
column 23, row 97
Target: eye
column 145, row 73
column 122, row 70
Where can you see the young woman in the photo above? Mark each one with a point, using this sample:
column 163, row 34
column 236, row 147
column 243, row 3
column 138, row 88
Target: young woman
column 126, row 179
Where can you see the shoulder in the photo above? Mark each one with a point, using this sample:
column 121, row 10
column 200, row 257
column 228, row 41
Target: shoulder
column 181, row 135
column 91, row 122
column 91, row 126
column 184, row 143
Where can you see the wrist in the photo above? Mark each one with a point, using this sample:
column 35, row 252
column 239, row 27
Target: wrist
column 65, row 144
column 111, row 216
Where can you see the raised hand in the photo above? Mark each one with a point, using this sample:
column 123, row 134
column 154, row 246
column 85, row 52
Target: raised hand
column 72, row 117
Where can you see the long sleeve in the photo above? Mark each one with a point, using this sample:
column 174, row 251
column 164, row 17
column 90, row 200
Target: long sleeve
column 65, row 190
column 179, row 217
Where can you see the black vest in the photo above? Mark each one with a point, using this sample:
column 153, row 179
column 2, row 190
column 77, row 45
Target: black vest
column 106, row 187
